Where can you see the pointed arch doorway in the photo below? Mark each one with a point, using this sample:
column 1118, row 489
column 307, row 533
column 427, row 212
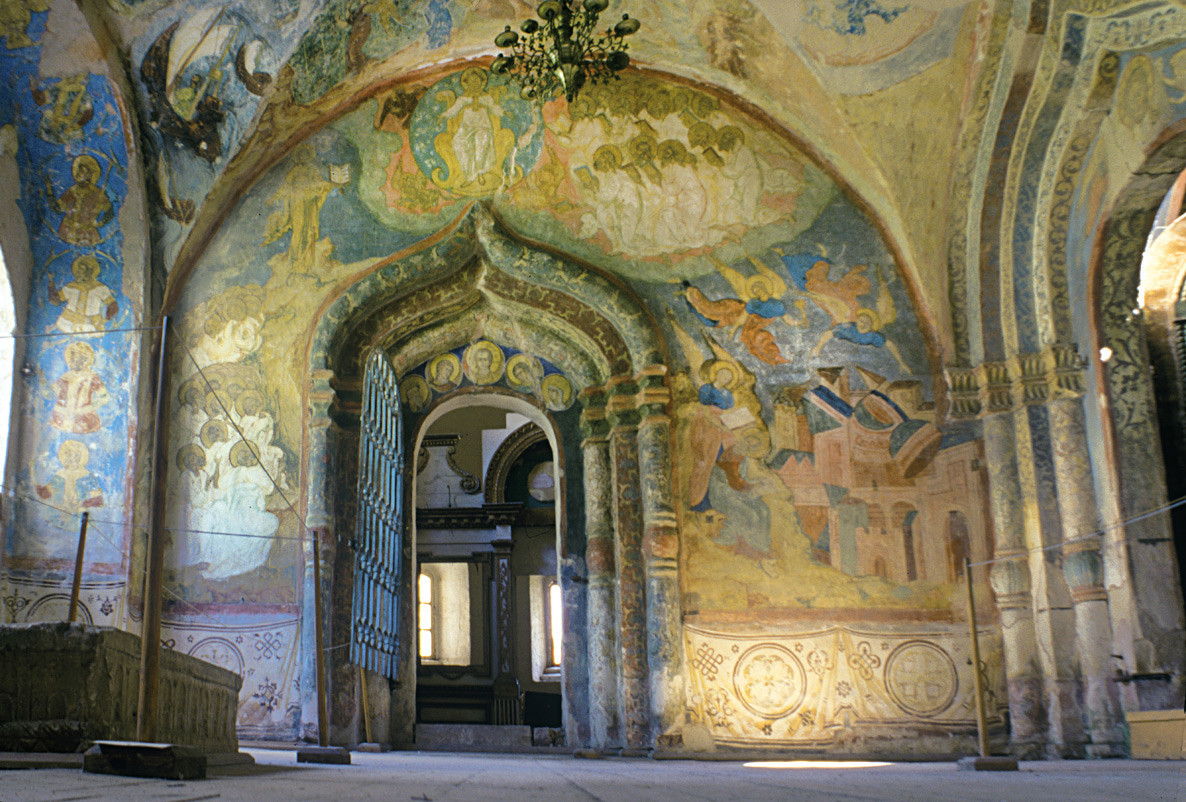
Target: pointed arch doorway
column 617, row 559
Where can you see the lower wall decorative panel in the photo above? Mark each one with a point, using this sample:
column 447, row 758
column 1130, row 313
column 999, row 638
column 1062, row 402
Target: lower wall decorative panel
column 840, row 687
column 265, row 654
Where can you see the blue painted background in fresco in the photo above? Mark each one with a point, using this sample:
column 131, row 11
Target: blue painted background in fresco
column 66, row 128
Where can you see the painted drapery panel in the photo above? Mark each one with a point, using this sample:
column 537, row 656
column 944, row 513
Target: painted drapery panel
column 840, row 686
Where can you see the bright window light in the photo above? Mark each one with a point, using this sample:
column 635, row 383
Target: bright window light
column 555, row 607
column 424, row 586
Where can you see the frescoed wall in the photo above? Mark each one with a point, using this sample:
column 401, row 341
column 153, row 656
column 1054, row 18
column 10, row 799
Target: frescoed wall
column 64, row 137
column 817, row 478
column 798, row 289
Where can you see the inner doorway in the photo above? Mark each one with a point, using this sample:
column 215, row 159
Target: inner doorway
column 488, row 601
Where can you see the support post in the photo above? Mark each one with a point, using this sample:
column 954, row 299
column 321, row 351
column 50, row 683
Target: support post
column 150, row 634
column 76, row 587
column 601, row 618
column 319, row 645
column 507, row 696
column 634, row 698
column 366, row 708
column 977, row 677
column 1083, row 569
column 1010, row 580
column 661, row 561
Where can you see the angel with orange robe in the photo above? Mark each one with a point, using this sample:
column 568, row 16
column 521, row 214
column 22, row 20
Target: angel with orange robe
column 852, row 320
column 760, row 304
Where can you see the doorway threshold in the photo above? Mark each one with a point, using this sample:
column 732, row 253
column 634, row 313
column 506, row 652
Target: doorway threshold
column 510, row 738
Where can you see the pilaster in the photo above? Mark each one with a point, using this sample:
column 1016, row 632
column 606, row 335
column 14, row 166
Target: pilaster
column 661, row 556
column 634, row 701
column 1082, row 565
column 601, row 617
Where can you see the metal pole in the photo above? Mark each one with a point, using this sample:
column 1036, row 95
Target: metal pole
column 366, row 708
column 319, row 646
column 978, row 681
column 76, row 588
column 150, row 634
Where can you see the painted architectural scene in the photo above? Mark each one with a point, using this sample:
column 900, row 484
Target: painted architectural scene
column 661, row 411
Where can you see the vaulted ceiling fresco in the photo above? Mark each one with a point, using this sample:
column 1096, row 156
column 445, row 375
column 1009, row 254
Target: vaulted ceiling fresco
column 226, row 87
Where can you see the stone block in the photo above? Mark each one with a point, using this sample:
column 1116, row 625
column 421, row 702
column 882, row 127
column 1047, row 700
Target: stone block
column 62, row 685
column 334, row 755
column 138, row 759
column 1157, row 734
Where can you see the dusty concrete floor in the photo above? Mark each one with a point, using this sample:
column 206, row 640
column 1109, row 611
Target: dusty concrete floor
column 439, row 777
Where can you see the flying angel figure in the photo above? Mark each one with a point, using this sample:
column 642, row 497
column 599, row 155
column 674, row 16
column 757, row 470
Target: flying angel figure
column 860, row 324
column 759, row 304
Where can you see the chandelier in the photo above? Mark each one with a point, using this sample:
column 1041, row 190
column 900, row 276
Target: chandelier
column 563, row 52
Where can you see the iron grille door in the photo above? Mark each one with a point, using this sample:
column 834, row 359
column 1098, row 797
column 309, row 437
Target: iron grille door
column 379, row 538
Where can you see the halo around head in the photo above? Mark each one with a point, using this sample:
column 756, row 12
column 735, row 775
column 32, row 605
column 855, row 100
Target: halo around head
column 524, row 373
column 81, row 349
column 712, row 370
column 85, row 163
column 444, row 372
column 414, row 392
column 476, row 366
column 557, row 392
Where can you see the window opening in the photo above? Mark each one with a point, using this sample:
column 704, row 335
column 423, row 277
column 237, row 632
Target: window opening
column 424, row 616
column 555, row 624
column 7, row 351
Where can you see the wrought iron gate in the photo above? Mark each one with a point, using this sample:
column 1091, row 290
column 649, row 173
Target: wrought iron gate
column 379, row 535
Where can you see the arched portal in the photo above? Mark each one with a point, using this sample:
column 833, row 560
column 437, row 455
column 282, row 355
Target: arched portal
column 602, row 381
column 1145, row 599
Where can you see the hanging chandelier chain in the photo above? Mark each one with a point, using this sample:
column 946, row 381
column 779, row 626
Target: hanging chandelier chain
column 564, row 51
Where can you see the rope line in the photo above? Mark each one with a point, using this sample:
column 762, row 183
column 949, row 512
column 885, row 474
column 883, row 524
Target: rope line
column 1178, row 502
column 86, row 334
column 16, row 494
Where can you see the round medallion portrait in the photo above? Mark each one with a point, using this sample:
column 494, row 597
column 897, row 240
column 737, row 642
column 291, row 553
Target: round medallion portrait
column 484, row 362
column 444, row 372
column 557, row 392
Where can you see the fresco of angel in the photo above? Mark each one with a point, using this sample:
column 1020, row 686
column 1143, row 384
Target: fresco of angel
column 759, row 303
column 852, row 320
column 726, row 438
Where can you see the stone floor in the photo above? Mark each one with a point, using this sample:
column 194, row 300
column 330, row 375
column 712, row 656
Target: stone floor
column 441, row 777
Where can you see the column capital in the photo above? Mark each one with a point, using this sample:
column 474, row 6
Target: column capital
column 963, row 391
column 594, row 423
column 1065, row 370
column 1055, row 372
column 1010, row 580
column 622, row 405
